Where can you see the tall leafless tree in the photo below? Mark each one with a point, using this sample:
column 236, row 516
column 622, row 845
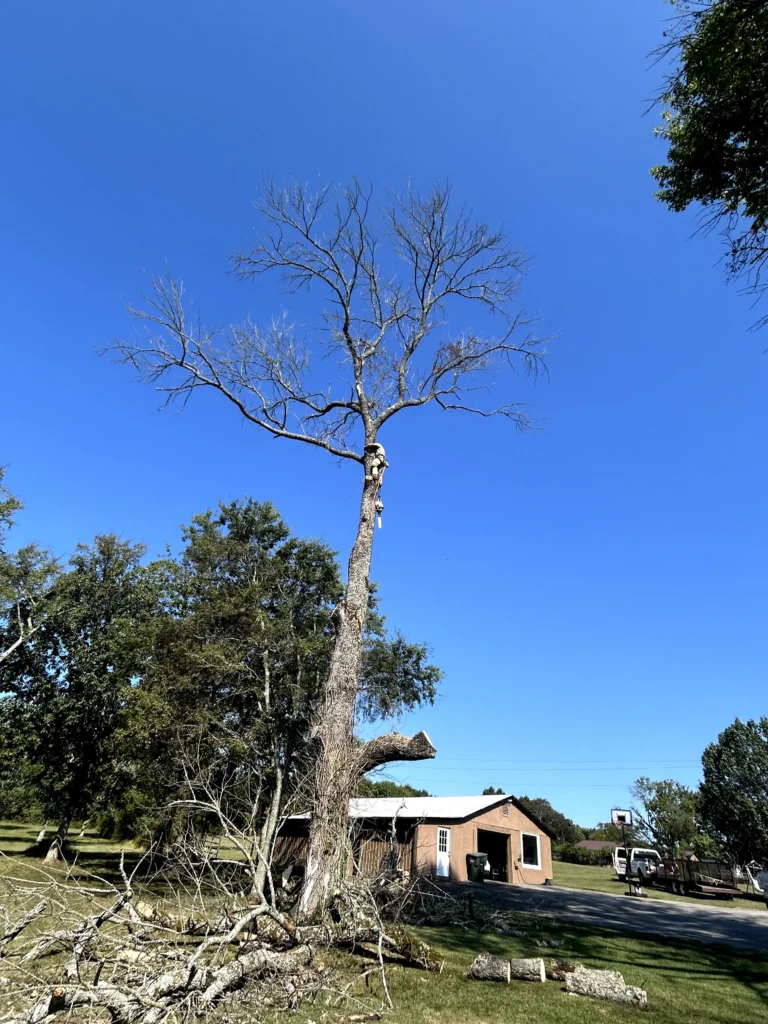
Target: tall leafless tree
column 390, row 276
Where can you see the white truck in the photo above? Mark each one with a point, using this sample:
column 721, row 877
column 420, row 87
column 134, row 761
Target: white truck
column 643, row 862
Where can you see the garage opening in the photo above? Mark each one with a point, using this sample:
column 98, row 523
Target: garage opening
column 495, row 846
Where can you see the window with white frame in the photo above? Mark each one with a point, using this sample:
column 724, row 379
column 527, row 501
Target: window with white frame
column 530, row 848
column 442, row 840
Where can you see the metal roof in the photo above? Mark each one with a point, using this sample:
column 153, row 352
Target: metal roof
column 419, row 806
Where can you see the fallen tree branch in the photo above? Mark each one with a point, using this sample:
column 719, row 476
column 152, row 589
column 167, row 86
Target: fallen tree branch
column 23, row 922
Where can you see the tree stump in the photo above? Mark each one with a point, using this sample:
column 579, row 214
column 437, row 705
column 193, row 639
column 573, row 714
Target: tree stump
column 528, row 970
column 608, row 985
column 487, row 967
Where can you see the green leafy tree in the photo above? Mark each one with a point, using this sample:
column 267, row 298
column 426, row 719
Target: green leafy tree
column 715, row 122
column 606, row 831
column 27, row 577
column 562, row 829
column 66, row 688
column 237, row 671
column 490, row 791
column 734, row 791
column 665, row 815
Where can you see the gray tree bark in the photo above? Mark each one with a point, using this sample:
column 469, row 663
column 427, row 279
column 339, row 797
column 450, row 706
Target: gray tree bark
column 528, row 970
column 487, row 967
column 336, row 768
column 268, row 830
column 54, row 853
column 608, row 985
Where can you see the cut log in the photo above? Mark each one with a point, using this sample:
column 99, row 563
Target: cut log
column 608, row 985
column 528, row 970
column 487, row 967
column 559, row 968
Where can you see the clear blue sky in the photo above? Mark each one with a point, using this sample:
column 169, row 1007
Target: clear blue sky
column 596, row 592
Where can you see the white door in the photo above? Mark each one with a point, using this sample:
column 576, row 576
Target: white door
column 443, row 853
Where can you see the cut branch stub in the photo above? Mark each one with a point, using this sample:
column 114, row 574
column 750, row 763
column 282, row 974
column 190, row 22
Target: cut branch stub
column 393, row 746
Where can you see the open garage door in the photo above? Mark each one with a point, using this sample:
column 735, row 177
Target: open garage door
column 496, row 847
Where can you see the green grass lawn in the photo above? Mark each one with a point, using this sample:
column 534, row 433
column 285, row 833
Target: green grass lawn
column 582, row 876
column 686, row 983
column 89, row 852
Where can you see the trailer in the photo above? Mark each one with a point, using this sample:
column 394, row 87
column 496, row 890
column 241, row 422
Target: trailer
column 688, row 875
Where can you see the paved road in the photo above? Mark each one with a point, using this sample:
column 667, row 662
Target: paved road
column 743, row 929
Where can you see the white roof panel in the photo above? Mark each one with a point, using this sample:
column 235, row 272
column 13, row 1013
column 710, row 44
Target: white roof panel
column 418, row 806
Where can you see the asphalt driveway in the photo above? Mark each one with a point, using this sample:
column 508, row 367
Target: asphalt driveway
column 742, row 929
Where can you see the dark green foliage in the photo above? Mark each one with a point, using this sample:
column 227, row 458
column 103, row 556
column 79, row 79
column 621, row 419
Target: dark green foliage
column 570, row 853
column 66, row 689
column 734, row 792
column 561, row 829
column 9, row 506
column 239, row 663
column 27, row 577
column 490, row 791
column 396, row 674
column 206, row 669
column 609, row 832
column 715, row 122
column 384, row 787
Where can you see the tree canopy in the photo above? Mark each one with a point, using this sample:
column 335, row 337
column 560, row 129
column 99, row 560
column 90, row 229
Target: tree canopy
column 68, row 685
column 734, row 791
column 665, row 815
column 715, row 123
column 562, row 829
column 387, row 788
column 204, row 669
column 27, row 575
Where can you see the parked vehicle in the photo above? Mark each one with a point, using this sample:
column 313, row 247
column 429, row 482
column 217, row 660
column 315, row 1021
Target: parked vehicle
column 757, row 879
column 688, row 875
column 642, row 862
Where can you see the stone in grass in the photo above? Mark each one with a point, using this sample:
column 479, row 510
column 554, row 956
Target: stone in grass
column 608, row 985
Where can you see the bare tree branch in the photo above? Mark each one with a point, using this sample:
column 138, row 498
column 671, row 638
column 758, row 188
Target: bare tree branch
column 377, row 322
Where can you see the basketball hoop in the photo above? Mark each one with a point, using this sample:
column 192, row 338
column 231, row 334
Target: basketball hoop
column 621, row 818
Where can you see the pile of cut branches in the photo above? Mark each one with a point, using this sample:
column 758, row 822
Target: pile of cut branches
column 78, row 945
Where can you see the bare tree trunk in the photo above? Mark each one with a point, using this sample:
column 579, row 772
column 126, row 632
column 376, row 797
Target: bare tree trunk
column 267, row 835
column 336, row 770
column 55, row 849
